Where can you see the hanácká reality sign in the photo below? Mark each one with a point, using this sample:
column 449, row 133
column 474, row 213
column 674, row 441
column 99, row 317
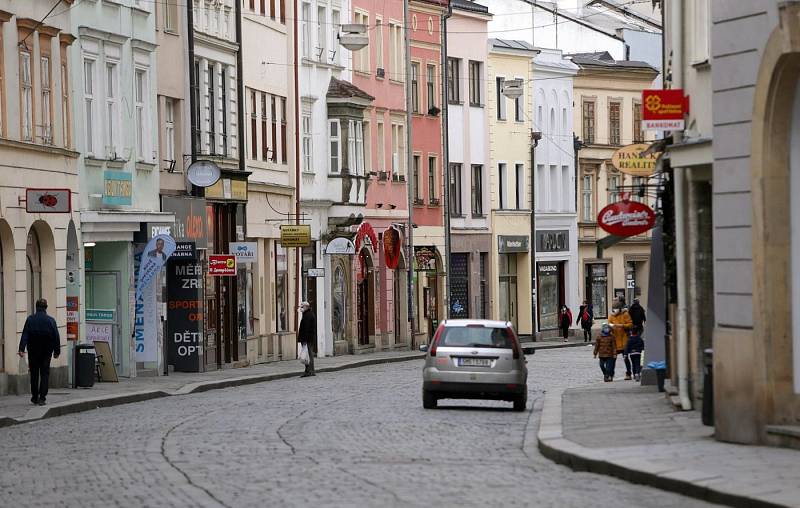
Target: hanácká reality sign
column 626, row 218
column 632, row 160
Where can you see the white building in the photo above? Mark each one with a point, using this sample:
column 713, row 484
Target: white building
column 556, row 220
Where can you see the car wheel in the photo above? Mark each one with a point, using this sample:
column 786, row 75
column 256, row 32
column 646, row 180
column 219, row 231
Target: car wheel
column 520, row 402
column 428, row 400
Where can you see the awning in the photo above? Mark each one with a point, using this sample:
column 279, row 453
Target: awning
column 117, row 225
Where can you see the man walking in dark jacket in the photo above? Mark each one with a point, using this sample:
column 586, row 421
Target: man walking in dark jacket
column 638, row 316
column 307, row 335
column 40, row 337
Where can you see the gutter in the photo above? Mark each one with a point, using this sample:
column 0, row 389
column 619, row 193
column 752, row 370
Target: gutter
column 446, row 160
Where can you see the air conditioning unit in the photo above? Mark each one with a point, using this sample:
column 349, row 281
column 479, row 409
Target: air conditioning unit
column 380, row 72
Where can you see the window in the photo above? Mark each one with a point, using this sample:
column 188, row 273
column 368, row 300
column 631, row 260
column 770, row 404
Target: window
column 483, row 311
column 273, row 116
column 430, row 83
column 613, row 188
column 416, row 182
column 281, row 288
column 284, row 154
column 519, row 108
column 613, row 123
column 140, row 88
column 88, row 101
column 272, row 9
column 360, row 57
column 459, row 284
column 212, row 108
column 553, row 194
column 541, row 187
column 453, row 80
column 567, row 190
column 169, row 129
column 170, row 16
column 366, row 150
column 597, row 289
column 223, row 115
column 501, row 99
column 475, row 80
column 306, row 13
column 415, row 87
column 46, row 105
column 564, row 123
column 503, row 179
column 381, row 142
column 520, row 176
column 351, row 149
column 283, row 11
column 398, row 149
column 379, row 43
column 588, row 122
column 553, row 127
column 334, row 44
column 253, row 126
column 639, row 184
column 335, row 146
column 113, row 123
column 396, row 47
column 265, row 147
column 455, row 190
column 477, row 190
column 637, row 122
column 587, row 199
column 26, row 86
column 65, row 101
column 359, row 134
column 308, row 154
column 432, row 192
column 196, row 132
column 322, row 33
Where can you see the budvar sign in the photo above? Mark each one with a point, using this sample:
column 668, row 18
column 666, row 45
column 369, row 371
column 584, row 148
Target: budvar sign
column 663, row 110
column 626, row 218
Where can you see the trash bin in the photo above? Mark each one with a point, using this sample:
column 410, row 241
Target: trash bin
column 708, row 387
column 84, row 365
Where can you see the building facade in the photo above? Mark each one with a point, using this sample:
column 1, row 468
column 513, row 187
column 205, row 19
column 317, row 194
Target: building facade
column 468, row 139
column 607, row 116
column 556, row 239
column 39, row 251
column 509, row 173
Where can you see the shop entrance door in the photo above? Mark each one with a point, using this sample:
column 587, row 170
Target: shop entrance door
column 551, row 294
column 363, row 312
column 508, row 288
column 433, row 303
column 103, row 312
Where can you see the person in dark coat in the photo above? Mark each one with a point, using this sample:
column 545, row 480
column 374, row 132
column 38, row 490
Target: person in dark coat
column 634, row 349
column 564, row 321
column 586, row 320
column 638, row 315
column 40, row 337
column 307, row 335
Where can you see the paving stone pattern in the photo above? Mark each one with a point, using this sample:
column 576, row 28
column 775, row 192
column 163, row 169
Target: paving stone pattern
column 352, row 438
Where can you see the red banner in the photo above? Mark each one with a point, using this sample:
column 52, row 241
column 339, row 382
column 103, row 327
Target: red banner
column 626, row 218
column 664, row 109
column 223, row 265
column 365, row 229
column 391, row 247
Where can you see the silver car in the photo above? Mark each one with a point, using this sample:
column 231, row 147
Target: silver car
column 475, row 359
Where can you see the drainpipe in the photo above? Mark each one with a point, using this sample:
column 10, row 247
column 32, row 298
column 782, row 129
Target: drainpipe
column 676, row 19
column 409, row 168
column 446, row 162
column 298, row 260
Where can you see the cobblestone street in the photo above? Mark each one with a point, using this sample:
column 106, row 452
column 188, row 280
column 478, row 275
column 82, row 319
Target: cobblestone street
column 322, row 441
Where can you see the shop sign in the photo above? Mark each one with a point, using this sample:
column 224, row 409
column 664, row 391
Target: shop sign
column 96, row 332
column 630, row 160
column 222, row 265
column 512, row 243
column 185, row 251
column 365, row 231
column 340, row 247
column 626, row 218
column 548, row 268
column 48, row 200
column 73, row 317
column 663, row 110
column 190, row 219
column 245, row 252
column 298, row 235
column 391, row 247
column 100, row 315
column 227, row 188
column 425, row 259
column 117, row 188
column 88, row 258
column 184, row 316
column 552, row 241
column 203, row 173
column 315, row 272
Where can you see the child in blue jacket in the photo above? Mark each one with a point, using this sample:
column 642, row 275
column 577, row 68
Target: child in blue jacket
column 633, row 349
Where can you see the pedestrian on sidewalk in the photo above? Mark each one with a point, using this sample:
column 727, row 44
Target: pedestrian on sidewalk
column 633, row 350
column 40, row 337
column 638, row 315
column 307, row 336
column 621, row 324
column 586, row 320
column 605, row 347
column 564, row 321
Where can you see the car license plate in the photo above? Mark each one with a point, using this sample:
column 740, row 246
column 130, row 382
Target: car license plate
column 475, row 362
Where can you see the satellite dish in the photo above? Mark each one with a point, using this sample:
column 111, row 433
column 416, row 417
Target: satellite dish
column 203, row 173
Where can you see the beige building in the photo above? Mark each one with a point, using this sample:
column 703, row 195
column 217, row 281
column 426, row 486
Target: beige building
column 607, row 116
column 508, row 198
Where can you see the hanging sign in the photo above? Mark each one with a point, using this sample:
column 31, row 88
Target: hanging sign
column 340, row 246
column 425, row 258
column 203, row 173
column 245, row 252
column 73, row 317
column 48, row 200
column 365, row 230
column 629, row 160
column 391, row 247
column 297, row 235
column 222, row 265
column 626, row 218
column 663, row 110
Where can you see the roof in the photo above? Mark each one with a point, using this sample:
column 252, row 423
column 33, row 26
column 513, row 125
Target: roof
column 338, row 89
column 604, row 59
column 512, row 45
column 469, row 5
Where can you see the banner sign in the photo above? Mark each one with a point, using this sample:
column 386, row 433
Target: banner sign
column 156, row 252
column 663, row 110
column 190, row 219
column 222, row 265
column 145, row 307
column 245, row 252
column 73, row 317
column 629, row 160
column 298, row 235
column 48, row 200
column 391, row 247
column 184, row 316
column 626, row 218
column 340, row 246
column 117, row 188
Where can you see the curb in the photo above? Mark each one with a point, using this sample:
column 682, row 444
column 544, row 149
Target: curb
column 554, row 446
column 528, row 348
column 79, row 406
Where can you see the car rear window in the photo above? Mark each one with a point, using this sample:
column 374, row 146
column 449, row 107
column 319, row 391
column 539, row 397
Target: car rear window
column 476, row 336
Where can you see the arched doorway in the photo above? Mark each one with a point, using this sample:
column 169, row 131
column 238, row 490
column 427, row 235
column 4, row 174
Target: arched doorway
column 6, row 288
column 365, row 297
column 339, row 312
column 40, row 267
column 33, row 270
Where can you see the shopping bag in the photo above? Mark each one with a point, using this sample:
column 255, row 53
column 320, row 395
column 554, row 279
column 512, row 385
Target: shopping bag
column 302, row 354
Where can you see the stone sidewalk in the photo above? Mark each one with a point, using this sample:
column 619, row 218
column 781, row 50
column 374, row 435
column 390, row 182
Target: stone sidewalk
column 632, row 432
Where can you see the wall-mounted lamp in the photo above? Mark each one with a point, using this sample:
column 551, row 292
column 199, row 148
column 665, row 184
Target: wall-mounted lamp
column 89, row 244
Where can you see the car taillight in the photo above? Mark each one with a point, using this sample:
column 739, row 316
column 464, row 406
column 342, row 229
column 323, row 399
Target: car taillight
column 435, row 341
column 516, row 346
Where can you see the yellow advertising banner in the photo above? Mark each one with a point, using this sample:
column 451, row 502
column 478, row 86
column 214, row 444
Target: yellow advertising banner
column 631, row 160
column 296, row 235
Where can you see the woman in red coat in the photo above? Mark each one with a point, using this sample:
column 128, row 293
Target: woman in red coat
column 564, row 321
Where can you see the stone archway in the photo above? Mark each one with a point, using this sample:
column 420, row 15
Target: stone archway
column 41, row 266
column 7, row 291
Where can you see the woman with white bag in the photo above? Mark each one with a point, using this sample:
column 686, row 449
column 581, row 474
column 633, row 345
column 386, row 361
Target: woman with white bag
column 307, row 338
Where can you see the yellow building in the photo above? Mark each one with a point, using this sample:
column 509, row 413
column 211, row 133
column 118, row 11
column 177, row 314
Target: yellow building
column 509, row 182
column 607, row 115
